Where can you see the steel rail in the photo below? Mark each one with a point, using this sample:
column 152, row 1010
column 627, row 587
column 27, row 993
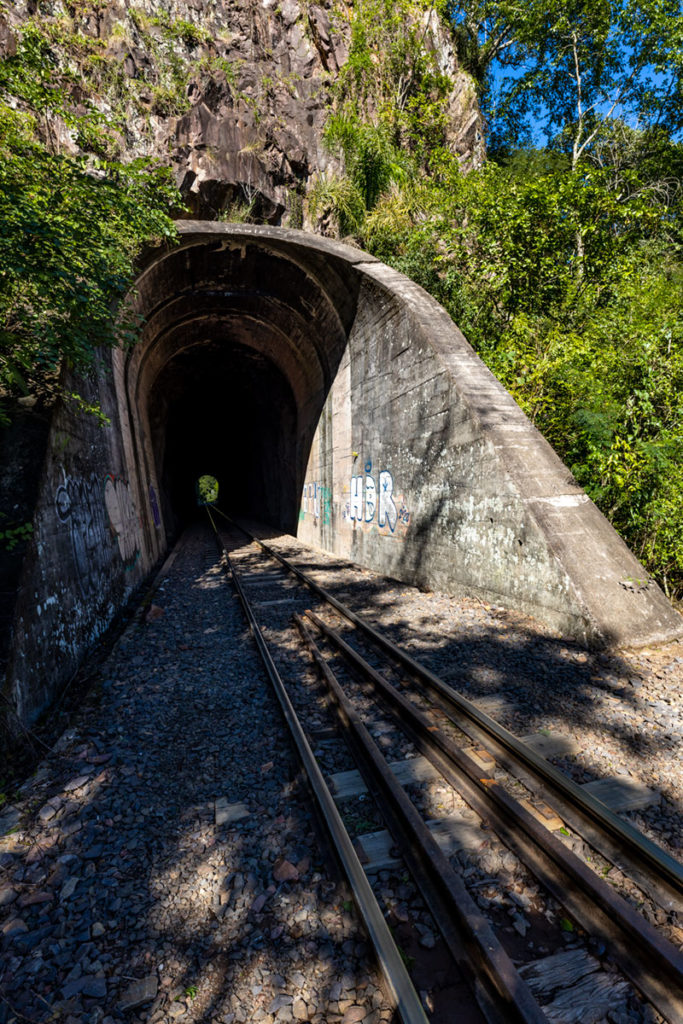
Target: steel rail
column 656, row 871
column 496, row 984
column 406, row 1000
column 652, row 963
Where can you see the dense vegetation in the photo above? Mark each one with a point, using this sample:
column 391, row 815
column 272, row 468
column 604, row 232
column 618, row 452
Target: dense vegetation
column 560, row 258
column 73, row 217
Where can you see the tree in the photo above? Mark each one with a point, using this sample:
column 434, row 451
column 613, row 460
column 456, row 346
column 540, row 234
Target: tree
column 71, row 226
column 569, row 66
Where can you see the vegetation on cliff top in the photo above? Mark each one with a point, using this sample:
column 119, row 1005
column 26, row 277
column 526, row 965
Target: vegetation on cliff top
column 73, row 218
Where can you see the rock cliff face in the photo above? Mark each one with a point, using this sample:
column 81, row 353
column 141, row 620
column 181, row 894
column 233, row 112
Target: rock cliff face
column 234, row 94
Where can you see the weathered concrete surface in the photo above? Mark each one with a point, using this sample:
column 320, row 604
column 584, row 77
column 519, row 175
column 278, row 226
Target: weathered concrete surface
column 90, row 548
column 429, row 471
column 330, row 396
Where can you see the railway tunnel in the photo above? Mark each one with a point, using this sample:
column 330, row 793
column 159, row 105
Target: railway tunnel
column 240, row 348
column 331, row 398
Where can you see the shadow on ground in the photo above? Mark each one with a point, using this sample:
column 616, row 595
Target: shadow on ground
column 118, row 874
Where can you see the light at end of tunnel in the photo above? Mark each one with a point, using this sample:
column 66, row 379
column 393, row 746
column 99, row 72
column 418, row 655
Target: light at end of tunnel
column 207, row 490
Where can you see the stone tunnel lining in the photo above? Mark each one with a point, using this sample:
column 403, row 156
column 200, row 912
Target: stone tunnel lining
column 411, row 458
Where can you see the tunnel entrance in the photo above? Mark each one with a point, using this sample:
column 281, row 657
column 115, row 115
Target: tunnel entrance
column 273, row 359
column 223, row 405
column 241, row 342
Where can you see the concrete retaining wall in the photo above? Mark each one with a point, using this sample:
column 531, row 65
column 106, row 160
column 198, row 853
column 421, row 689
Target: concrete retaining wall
column 425, row 468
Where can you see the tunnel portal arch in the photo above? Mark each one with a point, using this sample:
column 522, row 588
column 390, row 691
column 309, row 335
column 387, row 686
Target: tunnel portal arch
column 357, row 416
column 333, row 398
column 241, row 342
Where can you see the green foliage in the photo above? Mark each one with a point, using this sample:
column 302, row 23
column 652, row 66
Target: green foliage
column 340, row 197
column 10, row 537
column 190, row 35
column 296, row 210
column 372, row 161
column 588, row 339
column 71, row 227
column 79, row 403
column 390, row 111
column 207, row 490
column 573, row 63
column 563, row 265
column 392, row 78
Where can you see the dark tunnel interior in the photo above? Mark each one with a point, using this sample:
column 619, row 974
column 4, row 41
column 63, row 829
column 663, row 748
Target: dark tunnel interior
column 222, row 408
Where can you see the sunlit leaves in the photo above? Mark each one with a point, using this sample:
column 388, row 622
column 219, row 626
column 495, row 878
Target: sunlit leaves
column 71, row 227
column 562, row 264
column 593, row 353
column 566, row 65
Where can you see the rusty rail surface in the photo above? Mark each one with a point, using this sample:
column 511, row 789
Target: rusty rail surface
column 405, row 998
column 652, row 963
column 649, row 960
column 652, row 868
column 495, row 982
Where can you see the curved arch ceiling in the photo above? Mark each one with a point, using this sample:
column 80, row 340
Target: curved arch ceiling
column 239, row 348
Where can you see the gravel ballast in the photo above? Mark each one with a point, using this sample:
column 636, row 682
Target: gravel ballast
column 164, row 862
column 120, row 895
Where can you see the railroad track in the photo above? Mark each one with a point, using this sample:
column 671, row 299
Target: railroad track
column 365, row 680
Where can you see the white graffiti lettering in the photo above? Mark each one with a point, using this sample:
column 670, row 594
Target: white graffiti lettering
column 370, row 499
column 123, row 518
column 96, row 510
column 316, row 501
column 370, row 503
column 387, row 508
column 356, row 509
column 80, row 507
column 375, row 503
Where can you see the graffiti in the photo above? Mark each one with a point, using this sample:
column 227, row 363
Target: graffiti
column 369, row 503
column 80, row 507
column 310, row 503
column 94, row 511
column 355, row 507
column 123, row 518
column 154, row 504
column 370, row 494
column 326, row 502
column 387, row 507
column 374, row 502
column 316, row 500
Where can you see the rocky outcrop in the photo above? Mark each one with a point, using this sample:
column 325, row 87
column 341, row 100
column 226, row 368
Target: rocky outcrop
column 233, row 94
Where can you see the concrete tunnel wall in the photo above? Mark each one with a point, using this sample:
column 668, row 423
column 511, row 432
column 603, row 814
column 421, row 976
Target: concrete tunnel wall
column 333, row 398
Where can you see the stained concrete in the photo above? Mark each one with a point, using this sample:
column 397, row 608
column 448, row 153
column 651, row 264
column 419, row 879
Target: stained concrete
column 331, row 397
